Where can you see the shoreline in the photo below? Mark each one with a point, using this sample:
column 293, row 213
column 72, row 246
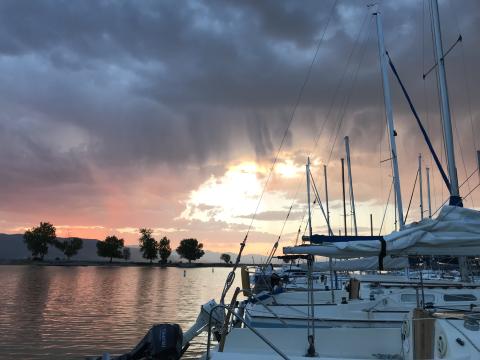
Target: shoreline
column 72, row 263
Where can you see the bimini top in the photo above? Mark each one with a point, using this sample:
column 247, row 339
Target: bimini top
column 455, row 232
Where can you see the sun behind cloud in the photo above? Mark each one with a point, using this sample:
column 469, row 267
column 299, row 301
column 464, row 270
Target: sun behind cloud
column 233, row 197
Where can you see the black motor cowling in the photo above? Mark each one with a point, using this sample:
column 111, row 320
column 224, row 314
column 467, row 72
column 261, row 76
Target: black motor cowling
column 162, row 342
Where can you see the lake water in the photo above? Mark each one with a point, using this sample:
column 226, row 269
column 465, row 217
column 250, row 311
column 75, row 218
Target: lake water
column 50, row 312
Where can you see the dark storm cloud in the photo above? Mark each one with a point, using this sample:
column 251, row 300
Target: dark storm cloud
column 119, row 83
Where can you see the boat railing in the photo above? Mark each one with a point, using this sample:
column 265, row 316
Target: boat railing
column 264, row 305
column 252, row 329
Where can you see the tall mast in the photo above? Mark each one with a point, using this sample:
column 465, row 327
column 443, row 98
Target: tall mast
column 389, row 113
column 352, row 197
column 421, row 184
column 307, row 168
column 371, row 225
column 428, row 194
column 330, row 232
column 478, row 162
column 326, row 199
column 455, row 198
column 343, row 196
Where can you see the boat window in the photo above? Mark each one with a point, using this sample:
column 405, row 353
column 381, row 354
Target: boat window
column 412, row 298
column 459, row 297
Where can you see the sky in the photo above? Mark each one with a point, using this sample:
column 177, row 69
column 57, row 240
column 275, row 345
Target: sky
column 118, row 115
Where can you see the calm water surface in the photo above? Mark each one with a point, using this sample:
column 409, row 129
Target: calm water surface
column 49, row 312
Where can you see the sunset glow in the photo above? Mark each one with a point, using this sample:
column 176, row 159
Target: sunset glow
column 177, row 130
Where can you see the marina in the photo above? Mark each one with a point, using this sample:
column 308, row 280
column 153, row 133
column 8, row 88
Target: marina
column 365, row 253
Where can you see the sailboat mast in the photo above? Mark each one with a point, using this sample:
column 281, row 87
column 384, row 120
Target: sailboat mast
column 420, row 180
column 478, row 162
column 307, row 167
column 350, row 182
column 389, row 113
column 343, row 197
column 326, row 198
column 455, row 198
column 428, row 194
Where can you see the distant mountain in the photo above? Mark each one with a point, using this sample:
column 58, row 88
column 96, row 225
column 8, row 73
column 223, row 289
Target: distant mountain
column 12, row 247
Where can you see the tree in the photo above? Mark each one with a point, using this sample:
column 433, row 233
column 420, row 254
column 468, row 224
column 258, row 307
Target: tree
column 126, row 253
column 164, row 249
column 148, row 245
column 69, row 247
column 111, row 247
column 190, row 249
column 227, row 258
column 38, row 238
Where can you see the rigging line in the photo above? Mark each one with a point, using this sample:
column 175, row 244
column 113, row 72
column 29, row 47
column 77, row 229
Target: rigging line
column 469, row 105
column 473, row 173
column 422, row 129
column 411, row 197
column 347, row 66
column 331, row 106
column 332, row 103
column 472, row 190
column 317, row 139
column 300, row 225
column 343, row 109
column 319, row 201
column 298, row 233
column 275, row 245
column 386, row 207
column 231, row 275
column 464, row 71
column 463, row 159
column 339, row 84
column 292, row 116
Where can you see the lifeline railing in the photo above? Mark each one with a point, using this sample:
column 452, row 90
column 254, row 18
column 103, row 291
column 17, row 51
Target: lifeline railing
column 263, row 338
column 264, row 305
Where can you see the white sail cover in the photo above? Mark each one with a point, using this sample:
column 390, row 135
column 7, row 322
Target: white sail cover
column 362, row 264
column 455, row 232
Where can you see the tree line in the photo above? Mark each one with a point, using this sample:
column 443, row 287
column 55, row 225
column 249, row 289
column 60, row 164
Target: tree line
column 151, row 249
column 40, row 237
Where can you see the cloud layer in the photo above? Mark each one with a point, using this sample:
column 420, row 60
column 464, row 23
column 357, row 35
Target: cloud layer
column 113, row 112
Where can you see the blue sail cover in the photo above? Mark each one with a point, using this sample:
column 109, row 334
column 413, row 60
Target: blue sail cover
column 455, row 232
column 319, row 239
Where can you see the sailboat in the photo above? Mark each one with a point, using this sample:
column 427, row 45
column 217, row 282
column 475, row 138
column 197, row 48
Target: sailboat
column 381, row 326
column 420, row 332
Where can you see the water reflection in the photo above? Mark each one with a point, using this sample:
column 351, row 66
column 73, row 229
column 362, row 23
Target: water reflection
column 74, row 312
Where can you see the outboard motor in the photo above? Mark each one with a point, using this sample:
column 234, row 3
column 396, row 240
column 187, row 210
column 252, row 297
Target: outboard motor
column 162, row 342
column 168, row 342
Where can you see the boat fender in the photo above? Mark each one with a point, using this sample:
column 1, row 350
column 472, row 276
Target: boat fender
column 353, row 289
column 245, row 280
